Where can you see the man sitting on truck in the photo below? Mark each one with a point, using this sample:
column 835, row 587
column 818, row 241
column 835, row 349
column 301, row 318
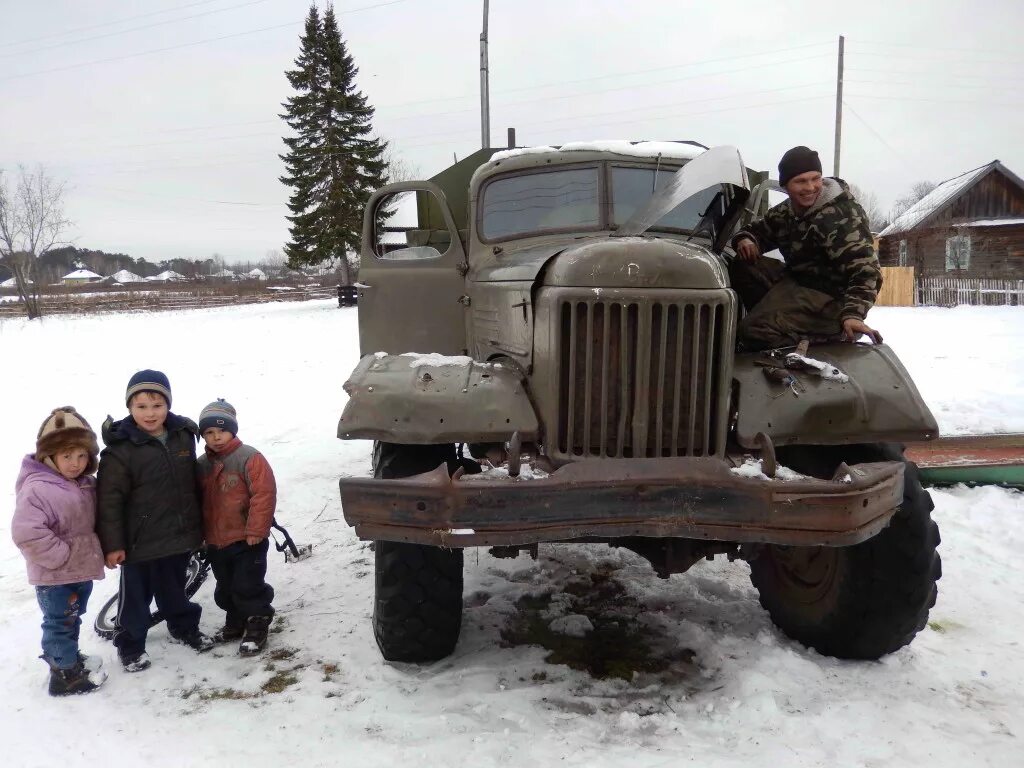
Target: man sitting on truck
column 830, row 278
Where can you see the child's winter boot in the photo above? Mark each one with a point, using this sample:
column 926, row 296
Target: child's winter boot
column 73, row 680
column 232, row 630
column 254, row 639
column 135, row 662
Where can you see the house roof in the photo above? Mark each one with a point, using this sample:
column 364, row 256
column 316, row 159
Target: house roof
column 82, row 274
column 167, row 275
column 943, row 195
column 125, row 276
column 991, row 223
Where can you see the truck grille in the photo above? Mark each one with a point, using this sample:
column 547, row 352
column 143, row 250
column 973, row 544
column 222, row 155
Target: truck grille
column 643, row 378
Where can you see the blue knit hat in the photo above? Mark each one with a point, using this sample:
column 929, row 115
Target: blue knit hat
column 220, row 414
column 148, row 381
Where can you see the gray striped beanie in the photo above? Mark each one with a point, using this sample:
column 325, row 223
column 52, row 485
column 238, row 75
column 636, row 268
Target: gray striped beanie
column 148, row 381
column 220, row 414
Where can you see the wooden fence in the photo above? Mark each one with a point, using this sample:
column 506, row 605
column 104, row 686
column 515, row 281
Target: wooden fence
column 950, row 291
column 151, row 301
column 897, row 287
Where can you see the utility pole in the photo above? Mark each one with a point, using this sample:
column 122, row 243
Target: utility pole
column 485, row 88
column 839, row 108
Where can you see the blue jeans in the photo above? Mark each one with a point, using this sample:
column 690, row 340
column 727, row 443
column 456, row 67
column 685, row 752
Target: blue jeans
column 63, row 606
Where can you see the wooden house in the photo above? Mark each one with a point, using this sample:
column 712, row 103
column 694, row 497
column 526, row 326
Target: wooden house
column 970, row 226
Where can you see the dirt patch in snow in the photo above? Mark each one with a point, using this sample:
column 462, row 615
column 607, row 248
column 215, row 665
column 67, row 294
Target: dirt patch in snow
column 619, row 645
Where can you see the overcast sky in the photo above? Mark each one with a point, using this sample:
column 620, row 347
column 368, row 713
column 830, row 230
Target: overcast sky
column 162, row 116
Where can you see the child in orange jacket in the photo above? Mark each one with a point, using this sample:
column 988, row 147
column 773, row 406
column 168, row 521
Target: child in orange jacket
column 239, row 498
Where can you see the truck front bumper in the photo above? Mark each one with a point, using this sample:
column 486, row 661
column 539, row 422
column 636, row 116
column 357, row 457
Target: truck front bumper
column 695, row 498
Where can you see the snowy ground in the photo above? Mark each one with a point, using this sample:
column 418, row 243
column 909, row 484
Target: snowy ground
column 716, row 683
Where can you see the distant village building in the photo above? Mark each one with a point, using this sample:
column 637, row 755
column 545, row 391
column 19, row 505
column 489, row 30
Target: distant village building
column 968, row 226
column 168, row 276
column 124, row 276
column 81, row 277
column 256, row 274
column 224, row 274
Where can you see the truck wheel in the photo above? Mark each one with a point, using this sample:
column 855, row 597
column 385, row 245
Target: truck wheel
column 417, row 607
column 863, row 601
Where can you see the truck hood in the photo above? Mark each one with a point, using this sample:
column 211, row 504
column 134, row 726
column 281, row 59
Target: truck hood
column 636, row 262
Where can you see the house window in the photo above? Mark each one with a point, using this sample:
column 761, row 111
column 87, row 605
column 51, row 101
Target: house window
column 958, row 252
column 903, row 253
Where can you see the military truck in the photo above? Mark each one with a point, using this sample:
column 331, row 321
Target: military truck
column 549, row 356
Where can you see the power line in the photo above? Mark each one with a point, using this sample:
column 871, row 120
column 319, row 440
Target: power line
column 879, row 136
column 625, row 74
column 133, row 29
column 678, row 66
column 385, row 107
column 698, row 76
column 400, row 142
column 944, row 75
column 111, row 23
column 134, row 192
column 941, row 101
column 932, row 47
column 653, row 118
column 918, row 84
column 186, row 45
column 943, row 60
column 422, row 116
column 652, row 106
column 147, row 53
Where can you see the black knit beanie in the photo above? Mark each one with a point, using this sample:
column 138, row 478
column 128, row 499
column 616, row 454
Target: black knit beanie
column 796, row 161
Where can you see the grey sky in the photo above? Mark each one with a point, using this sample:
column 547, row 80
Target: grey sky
column 174, row 152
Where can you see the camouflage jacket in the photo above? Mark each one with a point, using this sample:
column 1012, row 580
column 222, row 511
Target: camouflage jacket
column 828, row 248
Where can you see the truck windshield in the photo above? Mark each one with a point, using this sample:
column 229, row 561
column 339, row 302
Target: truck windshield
column 538, row 202
column 633, row 187
column 569, row 200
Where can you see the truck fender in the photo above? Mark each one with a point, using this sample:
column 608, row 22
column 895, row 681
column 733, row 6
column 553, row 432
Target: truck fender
column 430, row 398
column 879, row 403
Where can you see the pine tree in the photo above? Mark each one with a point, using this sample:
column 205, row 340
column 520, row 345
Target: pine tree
column 333, row 163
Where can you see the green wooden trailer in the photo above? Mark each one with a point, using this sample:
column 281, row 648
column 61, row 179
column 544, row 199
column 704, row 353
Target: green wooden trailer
column 972, row 459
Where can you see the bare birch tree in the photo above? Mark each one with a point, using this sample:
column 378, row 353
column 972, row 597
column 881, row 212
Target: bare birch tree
column 869, row 202
column 917, row 192
column 31, row 223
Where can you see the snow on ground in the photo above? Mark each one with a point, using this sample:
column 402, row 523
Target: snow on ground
column 966, row 361
column 704, row 677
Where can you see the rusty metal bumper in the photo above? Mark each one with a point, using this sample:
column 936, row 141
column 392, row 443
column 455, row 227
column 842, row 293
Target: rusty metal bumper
column 697, row 498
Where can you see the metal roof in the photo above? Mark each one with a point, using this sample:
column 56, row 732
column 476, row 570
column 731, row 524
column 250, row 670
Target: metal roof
column 943, row 195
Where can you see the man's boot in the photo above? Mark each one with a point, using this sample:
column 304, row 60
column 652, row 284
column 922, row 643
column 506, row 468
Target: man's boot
column 254, row 639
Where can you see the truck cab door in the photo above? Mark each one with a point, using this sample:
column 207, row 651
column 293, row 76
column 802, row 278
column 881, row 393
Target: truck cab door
column 412, row 270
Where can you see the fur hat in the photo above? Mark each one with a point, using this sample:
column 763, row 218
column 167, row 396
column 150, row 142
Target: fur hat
column 148, row 381
column 66, row 428
column 220, row 414
column 796, row 161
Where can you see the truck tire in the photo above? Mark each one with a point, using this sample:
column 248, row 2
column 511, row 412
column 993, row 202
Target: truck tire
column 417, row 606
column 862, row 601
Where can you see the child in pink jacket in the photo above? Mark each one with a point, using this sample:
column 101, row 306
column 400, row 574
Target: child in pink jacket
column 54, row 527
